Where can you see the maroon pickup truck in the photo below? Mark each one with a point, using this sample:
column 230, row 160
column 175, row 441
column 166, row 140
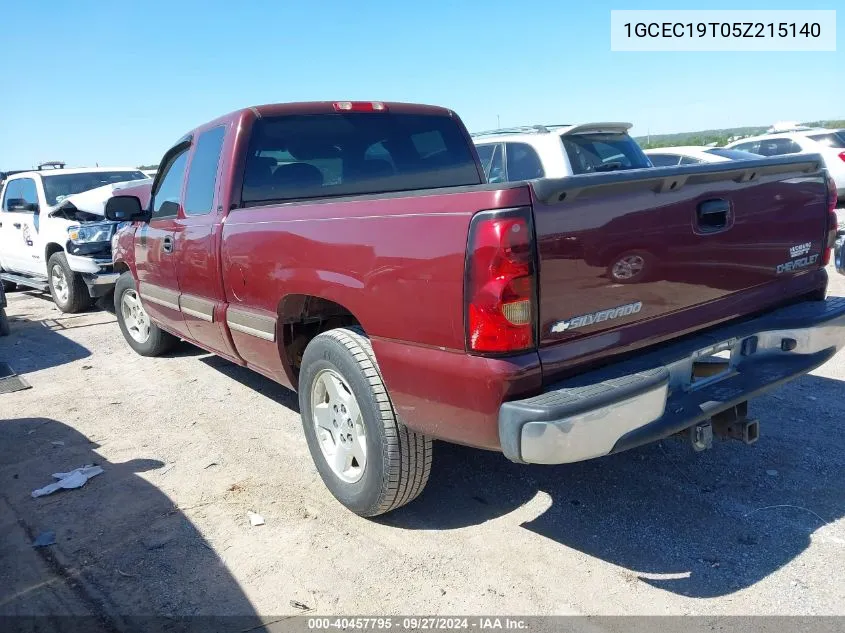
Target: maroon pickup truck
column 352, row 251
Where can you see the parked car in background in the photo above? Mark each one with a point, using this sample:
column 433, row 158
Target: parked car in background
column 694, row 154
column 352, row 251
column 557, row 151
column 828, row 143
column 53, row 234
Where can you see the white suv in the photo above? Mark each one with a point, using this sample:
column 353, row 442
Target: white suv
column 555, row 151
column 829, row 143
column 53, row 233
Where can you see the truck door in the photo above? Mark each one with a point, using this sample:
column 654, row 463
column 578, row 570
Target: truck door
column 20, row 221
column 155, row 244
column 197, row 247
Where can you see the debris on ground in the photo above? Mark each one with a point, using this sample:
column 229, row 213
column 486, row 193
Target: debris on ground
column 73, row 479
column 772, row 473
column 299, row 605
column 57, row 443
column 44, row 539
column 255, row 519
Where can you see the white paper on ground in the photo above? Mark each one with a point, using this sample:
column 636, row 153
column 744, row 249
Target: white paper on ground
column 74, row 479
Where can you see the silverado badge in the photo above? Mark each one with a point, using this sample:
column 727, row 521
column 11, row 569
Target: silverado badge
column 597, row 317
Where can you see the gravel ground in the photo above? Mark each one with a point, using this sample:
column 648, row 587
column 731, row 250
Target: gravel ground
column 191, row 443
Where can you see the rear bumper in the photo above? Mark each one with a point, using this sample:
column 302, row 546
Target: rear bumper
column 650, row 397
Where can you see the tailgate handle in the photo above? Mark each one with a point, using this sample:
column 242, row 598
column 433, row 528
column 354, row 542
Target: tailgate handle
column 713, row 215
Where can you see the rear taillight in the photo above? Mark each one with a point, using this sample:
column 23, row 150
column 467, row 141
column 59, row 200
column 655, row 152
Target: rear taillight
column 359, row 106
column 831, row 220
column 842, row 156
column 500, row 284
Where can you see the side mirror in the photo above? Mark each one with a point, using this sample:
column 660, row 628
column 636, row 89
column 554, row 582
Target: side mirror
column 125, row 209
column 19, row 204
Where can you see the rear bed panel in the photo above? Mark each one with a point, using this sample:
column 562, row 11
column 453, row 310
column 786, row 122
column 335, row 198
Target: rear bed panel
column 768, row 251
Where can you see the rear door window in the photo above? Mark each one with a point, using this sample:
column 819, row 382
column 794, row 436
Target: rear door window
column 523, row 163
column 733, row 154
column 686, row 160
column 202, row 177
column 664, row 160
column 599, row 152
column 325, row 155
column 778, row 147
column 752, row 146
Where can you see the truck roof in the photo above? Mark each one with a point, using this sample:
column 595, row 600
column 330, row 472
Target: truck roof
column 323, row 107
column 74, row 170
column 559, row 129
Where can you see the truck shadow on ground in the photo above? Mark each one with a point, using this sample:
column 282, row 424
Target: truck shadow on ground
column 255, row 381
column 123, row 551
column 699, row 525
column 35, row 345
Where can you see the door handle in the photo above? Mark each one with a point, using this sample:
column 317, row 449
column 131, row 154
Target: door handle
column 17, row 225
column 713, row 215
column 167, row 244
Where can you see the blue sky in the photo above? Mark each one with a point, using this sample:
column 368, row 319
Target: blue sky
column 116, row 83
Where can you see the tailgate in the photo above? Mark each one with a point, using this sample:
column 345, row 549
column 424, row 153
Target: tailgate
column 628, row 259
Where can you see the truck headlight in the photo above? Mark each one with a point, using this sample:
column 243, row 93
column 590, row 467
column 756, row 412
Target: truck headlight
column 90, row 233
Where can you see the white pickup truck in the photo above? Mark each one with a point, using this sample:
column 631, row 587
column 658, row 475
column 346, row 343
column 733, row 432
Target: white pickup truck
column 53, row 233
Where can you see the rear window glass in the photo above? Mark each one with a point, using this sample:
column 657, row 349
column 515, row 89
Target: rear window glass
column 60, row 186
column 322, row 155
column 831, row 139
column 603, row 152
column 733, row 154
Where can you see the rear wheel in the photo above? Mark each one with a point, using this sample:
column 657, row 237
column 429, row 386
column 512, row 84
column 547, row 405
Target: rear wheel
column 368, row 459
column 69, row 292
column 144, row 336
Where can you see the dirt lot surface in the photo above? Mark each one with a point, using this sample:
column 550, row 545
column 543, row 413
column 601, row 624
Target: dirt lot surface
column 191, row 443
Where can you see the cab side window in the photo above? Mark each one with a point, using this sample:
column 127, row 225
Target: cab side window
column 165, row 202
column 202, row 176
column 664, row 160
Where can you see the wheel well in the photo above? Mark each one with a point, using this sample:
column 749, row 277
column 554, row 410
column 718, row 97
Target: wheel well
column 302, row 317
column 51, row 248
column 120, row 267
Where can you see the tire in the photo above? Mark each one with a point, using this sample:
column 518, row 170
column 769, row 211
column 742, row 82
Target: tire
column 69, row 292
column 9, row 286
column 157, row 341
column 397, row 459
column 4, row 323
column 618, row 273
